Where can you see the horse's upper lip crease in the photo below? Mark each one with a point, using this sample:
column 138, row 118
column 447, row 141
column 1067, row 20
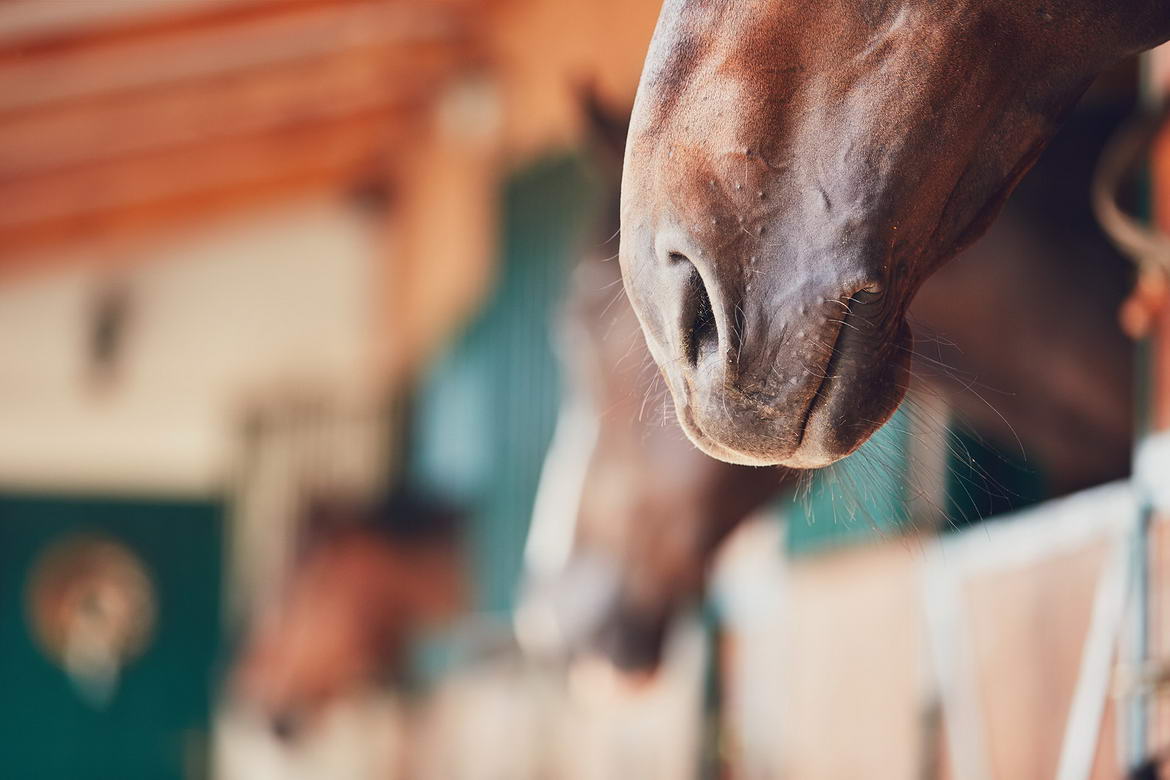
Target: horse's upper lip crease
column 817, row 398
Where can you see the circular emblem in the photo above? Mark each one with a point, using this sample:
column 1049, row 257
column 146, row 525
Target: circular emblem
column 92, row 608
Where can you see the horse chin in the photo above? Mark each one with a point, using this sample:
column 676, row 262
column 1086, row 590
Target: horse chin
column 820, row 443
column 804, row 456
column 840, row 415
column 828, row 437
column 709, row 446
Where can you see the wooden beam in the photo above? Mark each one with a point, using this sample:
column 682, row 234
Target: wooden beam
column 34, row 28
column 1159, row 368
column 128, row 195
column 165, row 117
column 91, row 68
column 257, row 101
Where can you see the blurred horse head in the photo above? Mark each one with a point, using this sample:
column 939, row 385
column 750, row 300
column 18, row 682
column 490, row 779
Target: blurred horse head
column 796, row 170
column 638, row 508
column 652, row 507
column 361, row 588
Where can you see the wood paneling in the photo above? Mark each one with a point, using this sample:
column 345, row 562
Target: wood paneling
column 134, row 194
column 125, row 126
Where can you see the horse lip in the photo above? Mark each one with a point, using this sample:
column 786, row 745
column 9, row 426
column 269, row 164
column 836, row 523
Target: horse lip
column 797, row 456
column 691, row 426
column 708, row 444
column 716, row 449
column 818, row 399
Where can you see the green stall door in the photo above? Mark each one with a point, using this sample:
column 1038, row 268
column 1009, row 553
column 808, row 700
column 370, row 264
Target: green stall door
column 157, row 559
column 487, row 410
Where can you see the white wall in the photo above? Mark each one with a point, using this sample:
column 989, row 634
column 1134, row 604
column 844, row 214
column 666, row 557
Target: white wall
column 272, row 302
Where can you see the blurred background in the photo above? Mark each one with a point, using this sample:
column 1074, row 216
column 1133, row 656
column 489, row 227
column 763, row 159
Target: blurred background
column 330, row 448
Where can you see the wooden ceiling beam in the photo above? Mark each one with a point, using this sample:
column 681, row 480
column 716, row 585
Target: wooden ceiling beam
column 127, row 195
column 166, row 117
column 106, row 127
column 317, row 30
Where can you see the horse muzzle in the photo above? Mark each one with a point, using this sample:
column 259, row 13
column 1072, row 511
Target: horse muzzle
column 765, row 371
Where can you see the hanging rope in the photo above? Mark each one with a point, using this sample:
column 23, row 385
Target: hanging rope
column 1147, row 246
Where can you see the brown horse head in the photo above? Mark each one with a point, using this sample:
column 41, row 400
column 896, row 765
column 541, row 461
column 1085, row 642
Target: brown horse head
column 648, row 509
column 795, row 170
column 363, row 585
column 653, row 509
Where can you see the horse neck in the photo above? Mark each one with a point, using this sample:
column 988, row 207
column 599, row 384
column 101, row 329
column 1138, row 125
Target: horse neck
column 1083, row 34
column 1114, row 29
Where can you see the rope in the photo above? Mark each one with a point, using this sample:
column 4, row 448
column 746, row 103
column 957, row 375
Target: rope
column 1148, row 247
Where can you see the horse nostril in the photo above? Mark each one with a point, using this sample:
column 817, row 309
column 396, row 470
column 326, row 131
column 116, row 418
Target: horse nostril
column 700, row 333
column 286, row 725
